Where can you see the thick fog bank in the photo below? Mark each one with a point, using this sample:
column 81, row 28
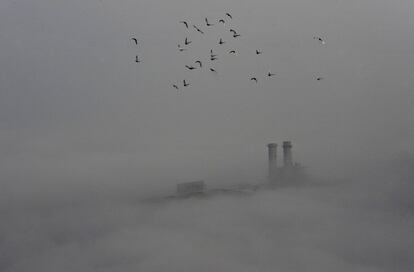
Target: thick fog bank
column 362, row 224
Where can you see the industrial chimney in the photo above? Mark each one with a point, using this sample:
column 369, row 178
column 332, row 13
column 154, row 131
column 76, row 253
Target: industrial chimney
column 272, row 150
column 287, row 154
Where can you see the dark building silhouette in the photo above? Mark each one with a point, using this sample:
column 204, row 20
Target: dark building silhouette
column 290, row 173
column 272, row 153
column 287, row 154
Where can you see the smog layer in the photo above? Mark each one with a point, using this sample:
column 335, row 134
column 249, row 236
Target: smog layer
column 360, row 224
column 97, row 128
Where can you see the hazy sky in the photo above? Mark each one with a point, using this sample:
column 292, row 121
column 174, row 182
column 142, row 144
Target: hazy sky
column 85, row 132
column 75, row 106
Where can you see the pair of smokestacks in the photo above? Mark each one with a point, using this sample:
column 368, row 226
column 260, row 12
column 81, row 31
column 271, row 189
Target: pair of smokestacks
column 287, row 157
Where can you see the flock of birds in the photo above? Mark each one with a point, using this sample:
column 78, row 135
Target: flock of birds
column 213, row 57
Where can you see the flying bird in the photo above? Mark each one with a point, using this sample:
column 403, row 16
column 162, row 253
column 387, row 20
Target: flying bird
column 235, row 34
column 213, row 58
column 319, row 78
column 254, row 79
column 199, row 63
column 185, row 23
column 222, row 21
column 232, row 52
column 207, row 23
column 212, row 55
column 269, row 74
column 175, row 86
column 135, row 40
column 137, row 60
column 213, row 70
column 199, row 30
column 181, row 48
column 319, row 39
column 185, row 84
column 190, row 67
column 229, row 15
column 187, row 42
column 258, row 52
column 221, row 41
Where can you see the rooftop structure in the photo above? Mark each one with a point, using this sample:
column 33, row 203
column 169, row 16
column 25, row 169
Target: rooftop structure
column 289, row 172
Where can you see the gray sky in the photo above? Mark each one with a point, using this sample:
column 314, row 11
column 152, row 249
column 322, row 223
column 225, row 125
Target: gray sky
column 85, row 133
column 74, row 106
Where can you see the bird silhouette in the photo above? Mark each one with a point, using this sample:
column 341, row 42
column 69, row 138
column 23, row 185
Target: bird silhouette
column 187, row 42
column 213, row 70
column 181, row 48
column 137, row 60
column 254, row 79
column 222, row 21
column 258, row 52
column 207, row 23
column 221, row 41
column 235, row 34
column 135, row 40
column 199, row 30
column 319, row 78
column 229, row 15
column 319, row 39
column 232, row 52
column 185, row 84
column 185, row 23
column 199, row 63
column 190, row 67
column 175, row 86
column 270, row 74
column 212, row 55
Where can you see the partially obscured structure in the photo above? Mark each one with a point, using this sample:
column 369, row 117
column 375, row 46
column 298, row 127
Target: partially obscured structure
column 290, row 172
column 272, row 158
column 287, row 154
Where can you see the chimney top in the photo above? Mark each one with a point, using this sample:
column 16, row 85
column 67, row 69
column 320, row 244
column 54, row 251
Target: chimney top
column 287, row 144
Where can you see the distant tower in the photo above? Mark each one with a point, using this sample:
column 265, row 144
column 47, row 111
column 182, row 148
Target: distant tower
column 272, row 150
column 287, row 154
